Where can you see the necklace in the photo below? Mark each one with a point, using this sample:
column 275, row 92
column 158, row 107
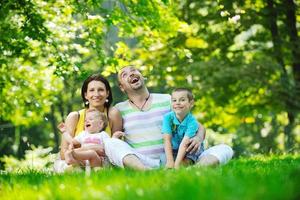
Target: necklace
column 141, row 108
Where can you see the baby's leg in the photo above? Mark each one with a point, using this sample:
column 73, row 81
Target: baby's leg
column 69, row 158
column 91, row 155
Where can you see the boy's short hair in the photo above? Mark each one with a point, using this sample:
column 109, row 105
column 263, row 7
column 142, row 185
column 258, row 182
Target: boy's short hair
column 99, row 114
column 190, row 95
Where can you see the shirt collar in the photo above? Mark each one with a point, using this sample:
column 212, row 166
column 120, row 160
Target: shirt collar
column 184, row 122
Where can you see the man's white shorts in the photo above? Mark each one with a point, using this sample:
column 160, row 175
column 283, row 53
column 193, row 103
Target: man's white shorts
column 223, row 152
column 116, row 150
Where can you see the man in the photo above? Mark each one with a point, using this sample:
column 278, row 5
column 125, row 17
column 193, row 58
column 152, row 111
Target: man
column 142, row 117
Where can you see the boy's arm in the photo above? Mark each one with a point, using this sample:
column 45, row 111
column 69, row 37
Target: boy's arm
column 182, row 151
column 168, row 150
column 194, row 142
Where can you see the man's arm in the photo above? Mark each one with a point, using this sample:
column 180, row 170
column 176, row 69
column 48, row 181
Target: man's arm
column 181, row 151
column 168, row 150
column 195, row 142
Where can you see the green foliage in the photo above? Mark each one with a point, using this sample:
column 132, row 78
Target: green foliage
column 242, row 73
column 39, row 159
column 259, row 177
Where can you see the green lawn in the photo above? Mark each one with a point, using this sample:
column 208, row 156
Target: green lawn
column 275, row 177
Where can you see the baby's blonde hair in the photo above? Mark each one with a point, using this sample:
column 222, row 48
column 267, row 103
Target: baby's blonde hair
column 99, row 114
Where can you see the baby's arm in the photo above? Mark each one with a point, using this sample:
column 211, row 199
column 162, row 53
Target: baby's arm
column 168, row 150
column 182, row 151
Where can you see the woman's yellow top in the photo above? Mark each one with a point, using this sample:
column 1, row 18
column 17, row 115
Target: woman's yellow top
column 80, row 123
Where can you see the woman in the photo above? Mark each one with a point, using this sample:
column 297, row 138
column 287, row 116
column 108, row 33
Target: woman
column 96, row 94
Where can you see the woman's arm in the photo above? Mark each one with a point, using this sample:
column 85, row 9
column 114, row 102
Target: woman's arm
column 115, row 120
column 99, row 148
column 70, row 125
column 76, row 143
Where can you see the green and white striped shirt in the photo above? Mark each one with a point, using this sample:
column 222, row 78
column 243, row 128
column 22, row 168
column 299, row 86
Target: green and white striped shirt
column 143, row 128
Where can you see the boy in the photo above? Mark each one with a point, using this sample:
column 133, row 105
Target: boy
column 93, row 134
column 178, row 127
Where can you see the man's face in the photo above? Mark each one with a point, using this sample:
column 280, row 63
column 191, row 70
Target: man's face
column 130, row 79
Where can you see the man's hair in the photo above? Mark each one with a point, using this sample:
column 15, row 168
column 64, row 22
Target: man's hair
column 189, row 93
column 119, row 73
column 99, row 114
column 122, row 69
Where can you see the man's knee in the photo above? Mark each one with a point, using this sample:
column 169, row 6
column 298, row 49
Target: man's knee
column 208, row 160
column 219, row 154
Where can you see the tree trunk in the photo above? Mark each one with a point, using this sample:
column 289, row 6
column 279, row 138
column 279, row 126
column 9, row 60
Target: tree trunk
column 272, row 19
column 17, row 141
column 54, row 128
column 276, row 39
column 290, row 13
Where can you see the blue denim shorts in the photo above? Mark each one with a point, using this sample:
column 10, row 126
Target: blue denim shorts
column 192, row 156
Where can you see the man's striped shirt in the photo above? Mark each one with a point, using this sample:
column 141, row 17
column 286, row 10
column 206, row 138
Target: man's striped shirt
column 143, row 128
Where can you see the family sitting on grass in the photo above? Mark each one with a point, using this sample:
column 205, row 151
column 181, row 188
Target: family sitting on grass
column 141, row 133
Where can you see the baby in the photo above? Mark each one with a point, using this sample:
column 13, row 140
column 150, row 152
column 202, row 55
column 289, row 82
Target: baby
column 93, row 134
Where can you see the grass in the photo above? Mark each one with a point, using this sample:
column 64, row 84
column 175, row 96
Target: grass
column 273, row 177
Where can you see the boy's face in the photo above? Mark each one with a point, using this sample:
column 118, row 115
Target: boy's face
column 93, row 122
column 181, row 105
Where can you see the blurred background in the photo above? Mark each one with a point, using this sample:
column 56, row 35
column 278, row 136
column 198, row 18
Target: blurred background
column 240, row 58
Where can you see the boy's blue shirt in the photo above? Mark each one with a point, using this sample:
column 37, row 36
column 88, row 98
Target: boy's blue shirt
column 171, row 125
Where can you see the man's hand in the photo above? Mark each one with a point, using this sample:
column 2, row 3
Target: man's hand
column 196, row 141
column 193, row 144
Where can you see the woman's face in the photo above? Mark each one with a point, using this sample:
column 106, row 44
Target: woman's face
column 96, row 94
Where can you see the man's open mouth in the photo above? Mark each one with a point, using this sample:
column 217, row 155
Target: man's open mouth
column 134, row 79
